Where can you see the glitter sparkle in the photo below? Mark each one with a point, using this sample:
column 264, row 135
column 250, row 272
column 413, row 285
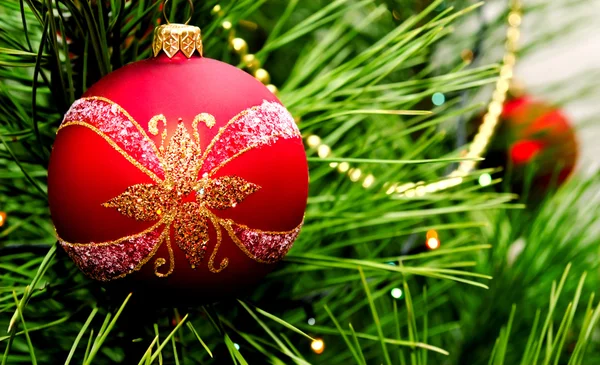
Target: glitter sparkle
column 176, row 166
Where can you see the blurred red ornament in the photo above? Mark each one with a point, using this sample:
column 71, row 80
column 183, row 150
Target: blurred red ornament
column 178, row 173
column 538, row 133
column 535, row 138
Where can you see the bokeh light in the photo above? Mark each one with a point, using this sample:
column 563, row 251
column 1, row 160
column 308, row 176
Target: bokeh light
column 438, row 99
column 433, row 242
column 485, row 179
column 397, row 293
column 318, row 346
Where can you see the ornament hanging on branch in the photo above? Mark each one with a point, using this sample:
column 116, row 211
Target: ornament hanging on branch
column 534, row 135
column 179, row 171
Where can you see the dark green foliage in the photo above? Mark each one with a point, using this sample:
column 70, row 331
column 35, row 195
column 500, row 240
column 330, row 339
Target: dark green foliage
column 357, row 77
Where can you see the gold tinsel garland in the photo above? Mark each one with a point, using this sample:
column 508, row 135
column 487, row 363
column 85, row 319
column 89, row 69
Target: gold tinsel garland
column 477, row 147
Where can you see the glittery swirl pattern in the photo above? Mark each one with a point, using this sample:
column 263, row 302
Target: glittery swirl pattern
column 112, row 260
column 182, row 172
column 119, row 129
column 263, row 246
column 255, row 127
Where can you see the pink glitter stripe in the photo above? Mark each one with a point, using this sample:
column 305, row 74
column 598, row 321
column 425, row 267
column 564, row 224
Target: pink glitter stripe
column 259, row 126
column 110, row 119
column 267, row 247
column 114, row 260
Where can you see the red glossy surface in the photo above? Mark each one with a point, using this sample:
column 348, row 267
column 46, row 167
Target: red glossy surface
column 522, row 152
column 540, row 132
column 85, row 171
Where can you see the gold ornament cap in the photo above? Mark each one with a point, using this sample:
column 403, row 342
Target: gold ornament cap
column 173, row 38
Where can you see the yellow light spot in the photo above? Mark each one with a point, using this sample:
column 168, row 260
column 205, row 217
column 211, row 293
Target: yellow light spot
column 404, row 187
column 216, row 9
column 318, row 346
column 431, row 188
column 355, row 175
column 433, row 243
column 262, row 75
column 510, row 59
column 443, row 184
column 457, row 180
column 251, row 62
column 343, row 167
column 227, row 25
column 391, row 189
column 239, row 45
column 514, row 19
column 158, row 211
column 369, row 180
column 313, row 141
column 506, row 72
column 489, row 119
column 333, row 165
column 273, row 89
column 323, row 151
column 502, row 86
column 499, row 95
column 513, row 34
column 495, row 108
column 2, row 218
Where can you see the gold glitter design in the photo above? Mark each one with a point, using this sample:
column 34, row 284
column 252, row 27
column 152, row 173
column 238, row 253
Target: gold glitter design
column 211, row 261
column 205, row 118
column 156, row 200
column 153, row 129
column 161, row 261
column 153, row 124
column 226, row 192
column 181, row 161
column 191, row 233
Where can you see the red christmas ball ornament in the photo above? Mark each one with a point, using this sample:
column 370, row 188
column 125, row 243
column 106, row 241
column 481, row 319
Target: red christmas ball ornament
column 537, row 133
column 178, row 173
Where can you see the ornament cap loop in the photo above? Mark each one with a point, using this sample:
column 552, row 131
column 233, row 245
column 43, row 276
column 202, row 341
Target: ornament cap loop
column 164, row 8
column 173, row 38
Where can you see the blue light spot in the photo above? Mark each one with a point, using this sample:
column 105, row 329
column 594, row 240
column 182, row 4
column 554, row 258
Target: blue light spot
column 438, row 99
